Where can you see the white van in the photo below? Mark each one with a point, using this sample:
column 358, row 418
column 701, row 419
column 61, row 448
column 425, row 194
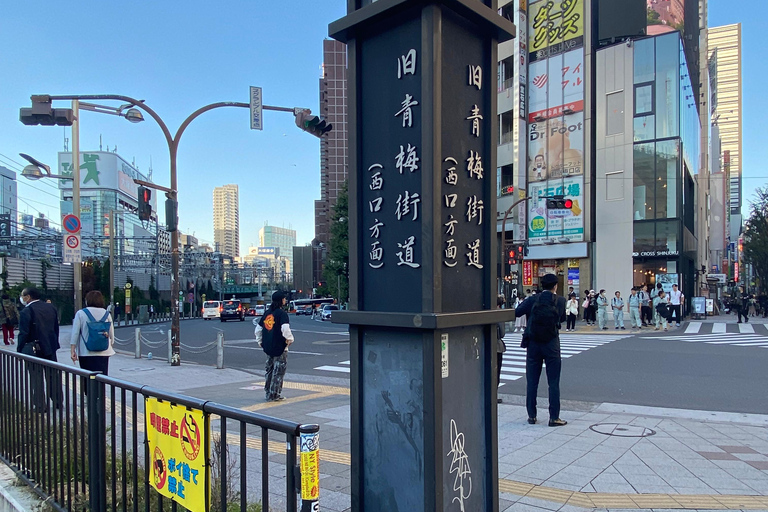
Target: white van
column 211, row 309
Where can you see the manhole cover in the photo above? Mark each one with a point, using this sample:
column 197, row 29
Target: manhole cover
column 137, row 369
column 619, row 430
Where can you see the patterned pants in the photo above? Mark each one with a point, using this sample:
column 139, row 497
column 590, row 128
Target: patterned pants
column 275, row 369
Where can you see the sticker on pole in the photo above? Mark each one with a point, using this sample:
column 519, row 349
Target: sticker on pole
column 71, row 223
column 178, row 442
column 444, row 355
column 310, row 466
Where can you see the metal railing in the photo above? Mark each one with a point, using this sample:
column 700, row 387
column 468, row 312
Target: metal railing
column 138, row 340
column 78, row 439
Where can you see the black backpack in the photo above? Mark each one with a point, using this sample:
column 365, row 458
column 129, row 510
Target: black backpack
column 544, row 324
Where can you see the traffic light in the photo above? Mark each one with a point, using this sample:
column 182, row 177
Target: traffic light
column 145, row 207
column 315, row 125
column 171, row 215
column 559, row 203
column 42, row 113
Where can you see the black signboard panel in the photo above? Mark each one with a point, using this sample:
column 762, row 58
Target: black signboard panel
column 390, row 170
column 467, row 174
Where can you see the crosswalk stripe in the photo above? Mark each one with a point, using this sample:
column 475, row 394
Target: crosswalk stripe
column 746, row 328
column 333, row 369
column 739, row 339
column 693, row 328
column 718, row 327
column 752, row 344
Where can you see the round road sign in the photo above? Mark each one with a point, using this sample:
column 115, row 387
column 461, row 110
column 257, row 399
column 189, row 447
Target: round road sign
column 72, row 241
column 71, row 223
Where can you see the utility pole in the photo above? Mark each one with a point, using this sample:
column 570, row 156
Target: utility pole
column 77, row 267
column 112, row 257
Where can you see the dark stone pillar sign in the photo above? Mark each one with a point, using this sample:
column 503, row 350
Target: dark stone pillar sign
column 422, row 161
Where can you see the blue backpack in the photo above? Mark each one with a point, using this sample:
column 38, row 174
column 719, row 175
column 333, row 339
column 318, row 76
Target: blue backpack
column 98, row 332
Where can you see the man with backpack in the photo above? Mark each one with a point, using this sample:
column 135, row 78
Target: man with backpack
column 546, row 311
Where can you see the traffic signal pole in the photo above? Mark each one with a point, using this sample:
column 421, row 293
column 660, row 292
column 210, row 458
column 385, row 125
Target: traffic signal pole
column 77, row 268
column 503, row 244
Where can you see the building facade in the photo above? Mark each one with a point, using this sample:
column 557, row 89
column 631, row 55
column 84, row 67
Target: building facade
column 284, row 239
column 724, row 45
column 226, row 220
column 333, row 146
column 8, row 198
column 106, row 185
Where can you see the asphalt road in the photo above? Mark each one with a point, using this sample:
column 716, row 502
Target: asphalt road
column 632, row 371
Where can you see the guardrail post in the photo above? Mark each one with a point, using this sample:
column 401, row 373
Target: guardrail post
column 137, row 349
column 309, row 478
column 97, row 443
column 220, row 350
column 170, row 348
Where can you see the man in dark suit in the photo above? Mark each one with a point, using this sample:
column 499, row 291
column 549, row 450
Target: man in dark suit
column 539, row 352
column 39, row 325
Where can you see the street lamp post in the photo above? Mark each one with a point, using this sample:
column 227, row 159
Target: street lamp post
column 503, row 244
column 312, row 125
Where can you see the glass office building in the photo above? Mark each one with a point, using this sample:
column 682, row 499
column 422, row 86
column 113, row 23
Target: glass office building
column 666, row 156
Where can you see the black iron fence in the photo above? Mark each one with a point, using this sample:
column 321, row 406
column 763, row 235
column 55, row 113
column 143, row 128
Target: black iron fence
column 78, row 439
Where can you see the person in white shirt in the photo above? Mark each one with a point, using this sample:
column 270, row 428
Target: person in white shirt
column 676, row 299
column 89, row 360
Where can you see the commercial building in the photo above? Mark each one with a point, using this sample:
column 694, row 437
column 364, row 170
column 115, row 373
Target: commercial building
column 226, row 220
column 106, row 185
column 8, row 198
column 284, row 239
column 333, row 146
column 724, row 45
column 609, row 116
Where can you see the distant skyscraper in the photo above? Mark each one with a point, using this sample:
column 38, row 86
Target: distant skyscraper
column 725, row 47
column 282, row 238
column 333, row 147
column 226, row 219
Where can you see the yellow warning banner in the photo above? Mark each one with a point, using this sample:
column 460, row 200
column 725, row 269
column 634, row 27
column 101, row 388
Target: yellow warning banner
column 178, row 447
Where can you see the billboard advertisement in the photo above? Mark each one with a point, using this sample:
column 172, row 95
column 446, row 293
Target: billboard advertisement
column 102, row 170
column 554, row 27
column 556, row 148
column 556, row 85
column 272, row 252
column 563, row 226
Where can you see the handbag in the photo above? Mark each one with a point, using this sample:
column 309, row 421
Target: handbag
column 585, row 304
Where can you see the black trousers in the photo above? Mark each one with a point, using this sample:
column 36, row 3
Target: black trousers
column 499, row 359
column 676, row 308
column 570, row 321
column 95, row 364
column 646, row 314
column 742, row 312
column 538, row 354
column 45, row 384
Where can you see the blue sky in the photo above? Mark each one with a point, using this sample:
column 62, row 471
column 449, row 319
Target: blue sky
column 179, row 56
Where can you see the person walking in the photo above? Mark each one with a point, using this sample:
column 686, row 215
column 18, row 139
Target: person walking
column 273, row 333
column 634, row 304
column 501, row 347
column 654, row 294
column 520, row 321
column 676, row 300
column 82, row 347
column 661, row 312
column 542, row 342
column 572, row 311
column 39, row 337
column 590, row 307
column 9, row 317
column 617, row 305
column 646, row 311
column 742, row 305
column 602, row 310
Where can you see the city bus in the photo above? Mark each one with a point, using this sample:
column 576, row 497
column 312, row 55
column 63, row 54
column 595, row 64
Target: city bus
column 299, row 306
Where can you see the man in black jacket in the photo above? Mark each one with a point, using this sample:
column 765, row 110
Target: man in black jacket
column 538, row 352
column 39, row 336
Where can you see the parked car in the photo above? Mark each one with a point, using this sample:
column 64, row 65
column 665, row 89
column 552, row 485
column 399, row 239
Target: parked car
column 232, row 309
column 327, row 310
column 211, row 309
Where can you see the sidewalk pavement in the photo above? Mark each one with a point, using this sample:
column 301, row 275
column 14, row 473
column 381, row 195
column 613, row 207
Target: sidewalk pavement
column 608, row 457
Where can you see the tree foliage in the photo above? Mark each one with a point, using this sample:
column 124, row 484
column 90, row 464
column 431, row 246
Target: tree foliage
column 336, row 269
column 756, row 237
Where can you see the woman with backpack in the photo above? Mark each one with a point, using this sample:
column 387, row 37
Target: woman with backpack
column 93, row 335
column 9, row 318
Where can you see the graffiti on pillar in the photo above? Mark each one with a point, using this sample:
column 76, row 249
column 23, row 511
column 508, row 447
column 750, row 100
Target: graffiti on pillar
column 462, row 482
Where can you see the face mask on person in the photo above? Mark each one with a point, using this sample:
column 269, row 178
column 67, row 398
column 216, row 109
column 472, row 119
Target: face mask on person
column 23, row 303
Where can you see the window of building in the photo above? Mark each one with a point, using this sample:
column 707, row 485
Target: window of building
column 644, row 198
column 645, row 128
column 667, row 165
column 506, row 127
column 644, row 60
column 644, row 236
column 506, row 180
column 615, row 113
column 506, row 73
column 644, row 99
column 667, row 91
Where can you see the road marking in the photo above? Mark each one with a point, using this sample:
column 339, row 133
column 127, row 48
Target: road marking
column 747, row 328
column 693, row 328
column 333, row 369
column 718, row 328
column 327, row 333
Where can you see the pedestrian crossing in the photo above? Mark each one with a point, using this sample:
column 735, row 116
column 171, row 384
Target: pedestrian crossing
column 513, row 361
column 513, row 364
column 720, row 333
